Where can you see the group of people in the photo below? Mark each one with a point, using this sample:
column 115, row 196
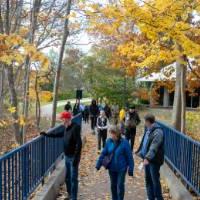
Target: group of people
column 117, row 153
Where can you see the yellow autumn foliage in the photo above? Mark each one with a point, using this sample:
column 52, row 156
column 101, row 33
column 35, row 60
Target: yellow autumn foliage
column 146, row 33
column 14, row 49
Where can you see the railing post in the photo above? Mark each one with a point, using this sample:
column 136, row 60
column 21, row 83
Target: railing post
column 25, row 173
column 1, row 180
column 43, row 157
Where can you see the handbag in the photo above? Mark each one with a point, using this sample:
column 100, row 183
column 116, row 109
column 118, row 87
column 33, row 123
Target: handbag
column 108, row 158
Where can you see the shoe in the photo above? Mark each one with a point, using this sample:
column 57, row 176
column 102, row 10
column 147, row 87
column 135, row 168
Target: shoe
column 99, row 151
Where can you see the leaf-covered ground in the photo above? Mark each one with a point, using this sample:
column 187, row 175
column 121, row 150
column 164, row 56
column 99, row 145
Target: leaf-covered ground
column 95, row 185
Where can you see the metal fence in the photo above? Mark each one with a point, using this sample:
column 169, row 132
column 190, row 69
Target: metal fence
column 24, row 168
column 183, row 155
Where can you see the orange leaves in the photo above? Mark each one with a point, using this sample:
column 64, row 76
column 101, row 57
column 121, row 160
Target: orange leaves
column 142, row 94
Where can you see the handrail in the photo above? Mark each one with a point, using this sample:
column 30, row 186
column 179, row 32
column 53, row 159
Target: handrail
column 182, row 154
column 24, row 168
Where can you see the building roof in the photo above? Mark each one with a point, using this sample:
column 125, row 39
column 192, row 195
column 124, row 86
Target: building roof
column 166, row 73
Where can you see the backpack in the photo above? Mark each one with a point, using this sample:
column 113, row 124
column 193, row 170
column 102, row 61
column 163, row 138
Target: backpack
column 130, row 122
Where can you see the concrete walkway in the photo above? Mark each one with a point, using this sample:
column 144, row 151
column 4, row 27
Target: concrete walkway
column 96, row 185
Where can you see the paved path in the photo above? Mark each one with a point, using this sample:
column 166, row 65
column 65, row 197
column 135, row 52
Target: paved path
column 46, row 110
column 96, row 185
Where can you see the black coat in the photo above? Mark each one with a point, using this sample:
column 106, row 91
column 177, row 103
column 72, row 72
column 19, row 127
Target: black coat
column 72, row 139
column 94, row 110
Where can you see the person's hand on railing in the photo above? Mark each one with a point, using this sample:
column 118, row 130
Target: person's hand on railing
column 43, row 133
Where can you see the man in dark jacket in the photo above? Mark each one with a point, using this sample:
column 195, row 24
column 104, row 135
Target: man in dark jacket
column 71, row 134
column 94, row 112
column 68, row 107
column 151, row 150
column 132, row 119
column 77, row 107
column 108, row 112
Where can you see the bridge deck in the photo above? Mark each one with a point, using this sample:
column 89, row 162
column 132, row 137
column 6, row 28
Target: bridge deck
column 96, row 185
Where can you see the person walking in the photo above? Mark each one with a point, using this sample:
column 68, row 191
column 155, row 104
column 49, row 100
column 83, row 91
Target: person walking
column 118, row 159
column 77, row 107
column 68, row 107
column 102, row 127
column 132, row 119
column 94, row 112
column 71, row 134
column 86, row 114
column 108, row 111
column 122, row 114
column 151, row 150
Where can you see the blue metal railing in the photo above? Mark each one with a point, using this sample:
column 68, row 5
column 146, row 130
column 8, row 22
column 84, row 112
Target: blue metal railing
column 182, row 154
column 24, row 168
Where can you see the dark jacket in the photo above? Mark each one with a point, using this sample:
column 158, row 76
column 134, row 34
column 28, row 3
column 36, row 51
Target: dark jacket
column 122, row 159
column 86, row 110
column 108, row 112
column 94, row 110
column 154, row 146
column 72, row 139
column 68, row 107
column 132, row 119
column 76, row 109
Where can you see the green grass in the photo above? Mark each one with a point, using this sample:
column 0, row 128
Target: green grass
column 165, row 115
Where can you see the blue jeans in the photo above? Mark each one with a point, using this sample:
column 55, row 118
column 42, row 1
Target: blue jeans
column 117, row 180
column 71, row 178
column 152, row 179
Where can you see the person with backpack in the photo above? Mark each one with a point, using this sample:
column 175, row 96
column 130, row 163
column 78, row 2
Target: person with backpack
column 117, row 158
column 71, row 134
column 102, row 127
column 94, row 112
column 151, row 150
column 132, row 119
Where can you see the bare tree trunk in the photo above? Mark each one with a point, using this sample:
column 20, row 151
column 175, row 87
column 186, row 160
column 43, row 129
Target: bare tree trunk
column 179, row 107
column 14, row 103
column 1, row 90
column 34, row 17
column 59, row 66
column 183, row 96
column 37, row 104
column 176, row 119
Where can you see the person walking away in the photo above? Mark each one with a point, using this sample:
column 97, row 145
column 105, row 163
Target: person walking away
column 94, row 112
column 151, row 150
column 71, row 134
column 117, row 157
column 102, row 127
column 122, row 114
column 76, row 108
column 86, row 114
column 68, row 107
column 108, row 112
column 132, row 119
column 115, row 114
column 82, row 108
